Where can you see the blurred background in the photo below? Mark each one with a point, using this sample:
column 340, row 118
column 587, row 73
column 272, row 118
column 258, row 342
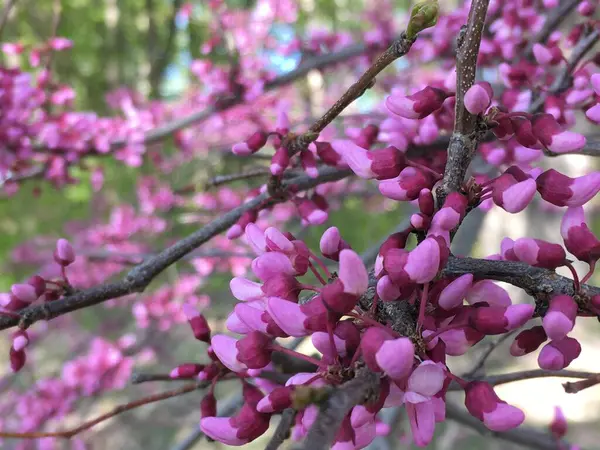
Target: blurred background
column 148, row 46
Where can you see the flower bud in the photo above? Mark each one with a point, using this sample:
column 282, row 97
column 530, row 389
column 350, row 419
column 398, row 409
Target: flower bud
column 253, row 144
column 560, row 317
column 483, row 403
column 528, row 341
column 418, row 105
column 423, row 15
column 559, row 354
column 479, row 97
column 64, row 253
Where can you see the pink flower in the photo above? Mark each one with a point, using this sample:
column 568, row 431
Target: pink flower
column 451, row 214
column 247, row 425
column 492, row 320
column 547, row 56
column 253, row 144
column 561, row 190
column 20, row 340
column 560, row 317
column 548, row 131
column 311, row 212
column 277, row 400
column 271, row 264
column 489, row 292
column 64, row 253
column 539, row 253
column 483, row 403
column 559, row 354
column 528, row 341
column 298, row 320
column 346, row 338
column 381, row 164
column 60, row 43
column 558, row 427
column 418, row 105
column 331, row 244
column 251, row 352
column 17, row 359
column 197, row 322
column 579, row 239
column 254, row 316
column 479, row 97
column 453, row 294
column 188, row 370
column 280, row 161
column 407, row 185
column 511, row 195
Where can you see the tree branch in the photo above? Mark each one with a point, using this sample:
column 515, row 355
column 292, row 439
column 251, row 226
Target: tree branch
column 553, row 21
column 563, row 81
column 464, row 140
column 524, row 436
column 333, row 411
column 6, row 14
column 283, row 429
column 541, row 284
column 67, row 434
column 504, row 378
column 141, row 275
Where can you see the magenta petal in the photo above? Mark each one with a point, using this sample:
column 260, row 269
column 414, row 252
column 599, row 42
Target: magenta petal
column 423, row 262
column 427, row 378
column 321, row 342
column 245, row 290
column 355, row 156
column 505, row 417
column 567, row 142
column 518, row 196
column 584, row 189
column 226, row 350
column 557, row 325
column 387, row 290
column 401, row 106
column 270, row 264
column 477, row 99
column 288, row 316
column 490, row 292
column 518, row 315
column 453, row 294
column 395, row 357
column 235, row 325
column 550, row 358
column 422, row 422
column 330, row 241
column 256, row 238
column 277, row 239
column 359, row 416
column 220, row 429
column 594, row 113
column 526, row 250
column 574, row 217
column 251, row 315
column 353, row 273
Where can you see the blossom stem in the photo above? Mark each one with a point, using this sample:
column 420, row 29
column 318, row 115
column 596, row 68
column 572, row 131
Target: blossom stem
column 459, row 380
column 321, row 264
column 373, row 323
column 576, row 283
column 295, row 354
column 439, row 331
column 590, row 273
column 437, row 175
column 331, row 338
column 316, row 273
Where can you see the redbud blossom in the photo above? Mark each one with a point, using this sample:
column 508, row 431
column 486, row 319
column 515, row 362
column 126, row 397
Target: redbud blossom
column 479, row 97
column 64, row 253
column 367, row 136
column 346, row 338
column 25, row 293
column 328, row 155
column 309, row 163
column 492, row 320
column 363, row 414
column 524, row 133
column 253, row 144
column 539, row 253
column 548, row 131
column 559, row 354
column 407, row 185
column 511, row 195
column 20, row 340
column 271, row 264
column 451, row 214
column 188, row 370
column 579, row 239
column 280, row 161
column 528, row 341
column 560, row 317
column 489, row 292
column 426, row 202
column 298, row 320
column 208, row 406
column 418, row 105
column 237, row 229
column 247, row 425
column 561, row 190
column 311, row 212
column 17, row 359
column 453, row 294
column 558, row 427
column 331, row 244
column 277, row 400
column 381, row 164
column 197, row 322
column 547, row 56
column 483, row 403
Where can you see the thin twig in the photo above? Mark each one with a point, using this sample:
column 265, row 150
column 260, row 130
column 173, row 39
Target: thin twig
column 139, row 378
column 524, row 436
column 491, row 347
column 139, row 277
column 578, row 386
column 563, row 80
column 464, row 139
column 67, row 434
column 553, row 20
column 283, row 429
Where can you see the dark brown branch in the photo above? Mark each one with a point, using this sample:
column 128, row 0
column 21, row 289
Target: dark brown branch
column 67, row 434
column 524, row 436
column 553, row 21
column 578, row 386
column 541, row 284
column 139, row 378
column 504, row 378
column 564, row 79
column 140, row 276
column 333, row 411
column 398, row 49
column 464, row 140
column 283, row 429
